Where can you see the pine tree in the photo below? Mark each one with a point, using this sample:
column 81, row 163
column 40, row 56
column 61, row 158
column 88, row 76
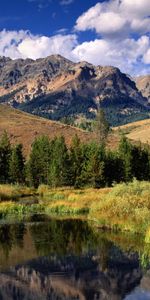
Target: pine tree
column 76, row 158
column 125, row 153
column 16, row 165
column 60, row 164
column 97, row 167
column 5, row 153
column 101, row 126
column 114, row 168
column 39, row 161
column 140, row 162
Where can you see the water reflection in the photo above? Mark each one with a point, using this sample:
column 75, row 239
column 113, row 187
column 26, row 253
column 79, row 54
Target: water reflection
column 68, row 259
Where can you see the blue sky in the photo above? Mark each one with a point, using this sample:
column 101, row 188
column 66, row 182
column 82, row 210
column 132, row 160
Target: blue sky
column 112, row 32
column 42, row 16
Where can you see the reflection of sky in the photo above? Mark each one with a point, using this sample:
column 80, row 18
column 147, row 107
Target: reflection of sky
column 138, row 294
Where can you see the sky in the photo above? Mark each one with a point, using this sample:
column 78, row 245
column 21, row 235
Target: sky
column 105, row 32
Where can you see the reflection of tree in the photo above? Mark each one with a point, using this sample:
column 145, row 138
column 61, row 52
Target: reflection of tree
column 11, row 235
column 144, row 256
column 83, row 260
column 104, row 247
column 63, row 237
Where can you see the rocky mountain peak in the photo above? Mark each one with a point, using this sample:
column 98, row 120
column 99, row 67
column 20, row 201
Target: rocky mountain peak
column 56, row 87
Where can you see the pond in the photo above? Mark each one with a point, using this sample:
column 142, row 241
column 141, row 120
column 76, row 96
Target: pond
column 43, row 258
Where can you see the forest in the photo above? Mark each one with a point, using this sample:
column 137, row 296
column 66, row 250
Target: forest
column 52, row 163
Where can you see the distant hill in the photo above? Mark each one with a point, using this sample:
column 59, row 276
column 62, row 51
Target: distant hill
column 24, row 128
column 55, row 87
column 137, row 131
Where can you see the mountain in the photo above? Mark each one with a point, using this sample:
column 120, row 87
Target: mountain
column 24, row 128
column 55, row 87
column 143, row 84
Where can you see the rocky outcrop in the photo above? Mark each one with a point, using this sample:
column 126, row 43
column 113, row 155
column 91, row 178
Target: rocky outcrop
column 55, row 87
column 143, row 84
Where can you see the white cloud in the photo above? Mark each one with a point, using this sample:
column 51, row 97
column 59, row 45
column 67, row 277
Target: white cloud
column 128, row 56
column 146, row 57
column 116, row 18
column 139, row 8
column 23, row 44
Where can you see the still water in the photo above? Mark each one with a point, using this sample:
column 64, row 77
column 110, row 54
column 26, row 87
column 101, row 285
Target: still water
column 58, row 259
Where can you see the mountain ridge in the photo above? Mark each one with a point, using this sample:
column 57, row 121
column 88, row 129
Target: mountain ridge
column 54, row 87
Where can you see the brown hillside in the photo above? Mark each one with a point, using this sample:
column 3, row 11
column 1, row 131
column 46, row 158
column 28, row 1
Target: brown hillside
column 24, row 128
column 137, row 131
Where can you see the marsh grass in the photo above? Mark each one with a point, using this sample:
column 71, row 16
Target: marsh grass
column 8, row 209
column 14, row 192
column 125, row 207
column 147, row 236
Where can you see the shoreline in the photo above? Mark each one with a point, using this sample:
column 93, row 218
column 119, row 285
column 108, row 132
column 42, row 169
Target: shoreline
column 124, row 207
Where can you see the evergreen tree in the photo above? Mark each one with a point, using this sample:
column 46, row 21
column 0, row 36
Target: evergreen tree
column 39, row 161
column 5, row 153
column 114, row 168
column 97, row 167
column 60, row 165
column 101, row 126
column 76, row 158
column 16, row 165
column 140, row 162
column 125, row 153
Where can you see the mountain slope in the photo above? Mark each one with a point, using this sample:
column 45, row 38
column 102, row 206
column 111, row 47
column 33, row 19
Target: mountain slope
column 137, row 131
column 24, row 128
column 55, row 87
column 143, row 84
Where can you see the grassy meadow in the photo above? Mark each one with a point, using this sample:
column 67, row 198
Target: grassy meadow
column 14, row 192
column 124, row 207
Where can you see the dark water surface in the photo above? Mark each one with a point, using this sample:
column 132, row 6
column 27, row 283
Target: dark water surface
column 69, row 259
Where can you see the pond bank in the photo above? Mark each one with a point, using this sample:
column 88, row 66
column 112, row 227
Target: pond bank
column 124, row 207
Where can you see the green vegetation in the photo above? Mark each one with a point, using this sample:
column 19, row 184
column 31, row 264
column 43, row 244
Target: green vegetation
column 101, row 126
column 81, row 106
column 51, row 166
column 125, row 207
column 147, row 236
column 14, row 192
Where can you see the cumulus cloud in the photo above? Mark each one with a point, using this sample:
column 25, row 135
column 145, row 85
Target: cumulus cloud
column 116, row 18
column 146, row 57
column 23, row 44
column 128, row 56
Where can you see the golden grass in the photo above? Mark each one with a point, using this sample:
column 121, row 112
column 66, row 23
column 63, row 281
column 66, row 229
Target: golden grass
column 124, row 207
column 147, row 236
column 137, row 131
column 13, row 192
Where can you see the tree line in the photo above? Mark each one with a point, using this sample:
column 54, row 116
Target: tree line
column 51, row 162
